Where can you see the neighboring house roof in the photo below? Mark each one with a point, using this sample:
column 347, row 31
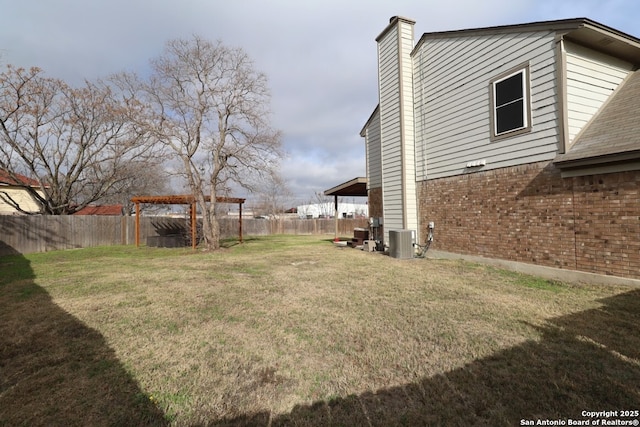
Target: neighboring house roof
column 15, row 191
column 20, row 180
column 115, row 210
column 613, row 135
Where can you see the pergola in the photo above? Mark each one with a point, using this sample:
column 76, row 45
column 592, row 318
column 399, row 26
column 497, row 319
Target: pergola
column 184, row 200
column 357, row 187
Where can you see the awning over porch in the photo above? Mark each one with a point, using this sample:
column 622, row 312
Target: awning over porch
column 357, row 187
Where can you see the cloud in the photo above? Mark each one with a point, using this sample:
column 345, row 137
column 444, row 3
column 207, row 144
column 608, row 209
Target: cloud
column 320, row 57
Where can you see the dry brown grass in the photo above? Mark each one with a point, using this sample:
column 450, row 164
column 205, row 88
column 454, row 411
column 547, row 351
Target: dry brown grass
column 294, row 331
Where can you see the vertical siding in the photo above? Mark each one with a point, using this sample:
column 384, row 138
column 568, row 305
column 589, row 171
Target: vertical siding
column 452, row 83
column 591, row 79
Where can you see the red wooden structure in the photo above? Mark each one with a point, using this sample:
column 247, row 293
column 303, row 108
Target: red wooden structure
column 184, row 200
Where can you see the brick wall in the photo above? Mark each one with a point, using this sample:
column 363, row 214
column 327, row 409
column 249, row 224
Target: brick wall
column 375, row 210
column 375, row 202
column 608, row 223
column 530, row 214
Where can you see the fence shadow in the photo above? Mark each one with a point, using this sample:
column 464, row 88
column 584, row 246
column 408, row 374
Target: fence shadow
column 54, row 370
column 588, row 361
column 28, row 238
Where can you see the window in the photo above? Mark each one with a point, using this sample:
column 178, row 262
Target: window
column 510, row 103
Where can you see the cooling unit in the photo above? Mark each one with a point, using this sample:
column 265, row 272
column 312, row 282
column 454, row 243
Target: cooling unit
column 401, row 244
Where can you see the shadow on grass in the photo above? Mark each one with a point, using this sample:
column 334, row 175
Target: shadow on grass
column 54, row 370
column 587, row 361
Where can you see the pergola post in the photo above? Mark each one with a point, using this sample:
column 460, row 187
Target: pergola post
column 137, row 224
column 240, row 221
column 194, row 224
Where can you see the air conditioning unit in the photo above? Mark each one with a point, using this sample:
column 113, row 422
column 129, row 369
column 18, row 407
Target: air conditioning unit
column 401, row 244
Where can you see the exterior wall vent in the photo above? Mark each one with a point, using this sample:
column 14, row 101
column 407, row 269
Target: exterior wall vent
column 401, row 244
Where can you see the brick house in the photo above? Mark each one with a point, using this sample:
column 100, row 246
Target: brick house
column 520, row 142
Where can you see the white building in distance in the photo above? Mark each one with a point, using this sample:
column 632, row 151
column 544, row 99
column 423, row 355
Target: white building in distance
column 327, row 210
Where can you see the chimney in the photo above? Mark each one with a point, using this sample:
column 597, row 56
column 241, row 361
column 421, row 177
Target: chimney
column 395, row 90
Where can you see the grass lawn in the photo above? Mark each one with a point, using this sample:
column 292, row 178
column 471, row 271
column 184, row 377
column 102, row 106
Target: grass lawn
column 290, row 330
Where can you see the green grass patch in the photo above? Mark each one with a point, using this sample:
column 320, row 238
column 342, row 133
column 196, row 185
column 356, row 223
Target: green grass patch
column 529, row 281
column 292, row 330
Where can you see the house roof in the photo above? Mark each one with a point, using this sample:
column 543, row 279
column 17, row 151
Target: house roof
column 613, row 135
column 582, row 30
column 17, row 179
column 114, row 210
column 371, row 117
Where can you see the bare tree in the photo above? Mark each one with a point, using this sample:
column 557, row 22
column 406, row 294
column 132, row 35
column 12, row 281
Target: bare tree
column 211, row 107
column 79, row 143
column 326, row 204
column 272, row 194
column 151, row 179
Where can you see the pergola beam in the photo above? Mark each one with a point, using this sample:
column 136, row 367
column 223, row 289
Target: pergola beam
column 185, row 199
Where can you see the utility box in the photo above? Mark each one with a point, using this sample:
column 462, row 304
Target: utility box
column 401, row 244
column 369, row 246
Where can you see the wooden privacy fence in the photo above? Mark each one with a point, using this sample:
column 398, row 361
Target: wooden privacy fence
column 42, row 233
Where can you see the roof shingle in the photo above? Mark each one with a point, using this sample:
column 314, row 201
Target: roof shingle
column 614, row 134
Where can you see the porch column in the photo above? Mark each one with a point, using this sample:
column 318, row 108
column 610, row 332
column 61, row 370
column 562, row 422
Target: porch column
column 335, row 216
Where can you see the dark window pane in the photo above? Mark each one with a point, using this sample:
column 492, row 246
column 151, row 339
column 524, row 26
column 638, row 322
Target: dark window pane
column 509, row 90
column 510, row 117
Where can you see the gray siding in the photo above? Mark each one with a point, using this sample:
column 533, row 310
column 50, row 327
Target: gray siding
column 591, row 79
column 374, row 162
column 452, row 84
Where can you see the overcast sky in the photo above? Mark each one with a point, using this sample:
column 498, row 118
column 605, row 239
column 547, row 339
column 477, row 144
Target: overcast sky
column 319, row 56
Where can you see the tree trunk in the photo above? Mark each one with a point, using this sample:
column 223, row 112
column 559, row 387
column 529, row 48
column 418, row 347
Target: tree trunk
column 211, row 231
column 215, row 230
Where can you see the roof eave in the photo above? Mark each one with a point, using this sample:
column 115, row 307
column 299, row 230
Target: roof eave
column 369, row 120
column 582, row 30
column 607, row 159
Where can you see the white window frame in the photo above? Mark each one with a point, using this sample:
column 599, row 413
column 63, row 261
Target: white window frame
column 523, row 70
